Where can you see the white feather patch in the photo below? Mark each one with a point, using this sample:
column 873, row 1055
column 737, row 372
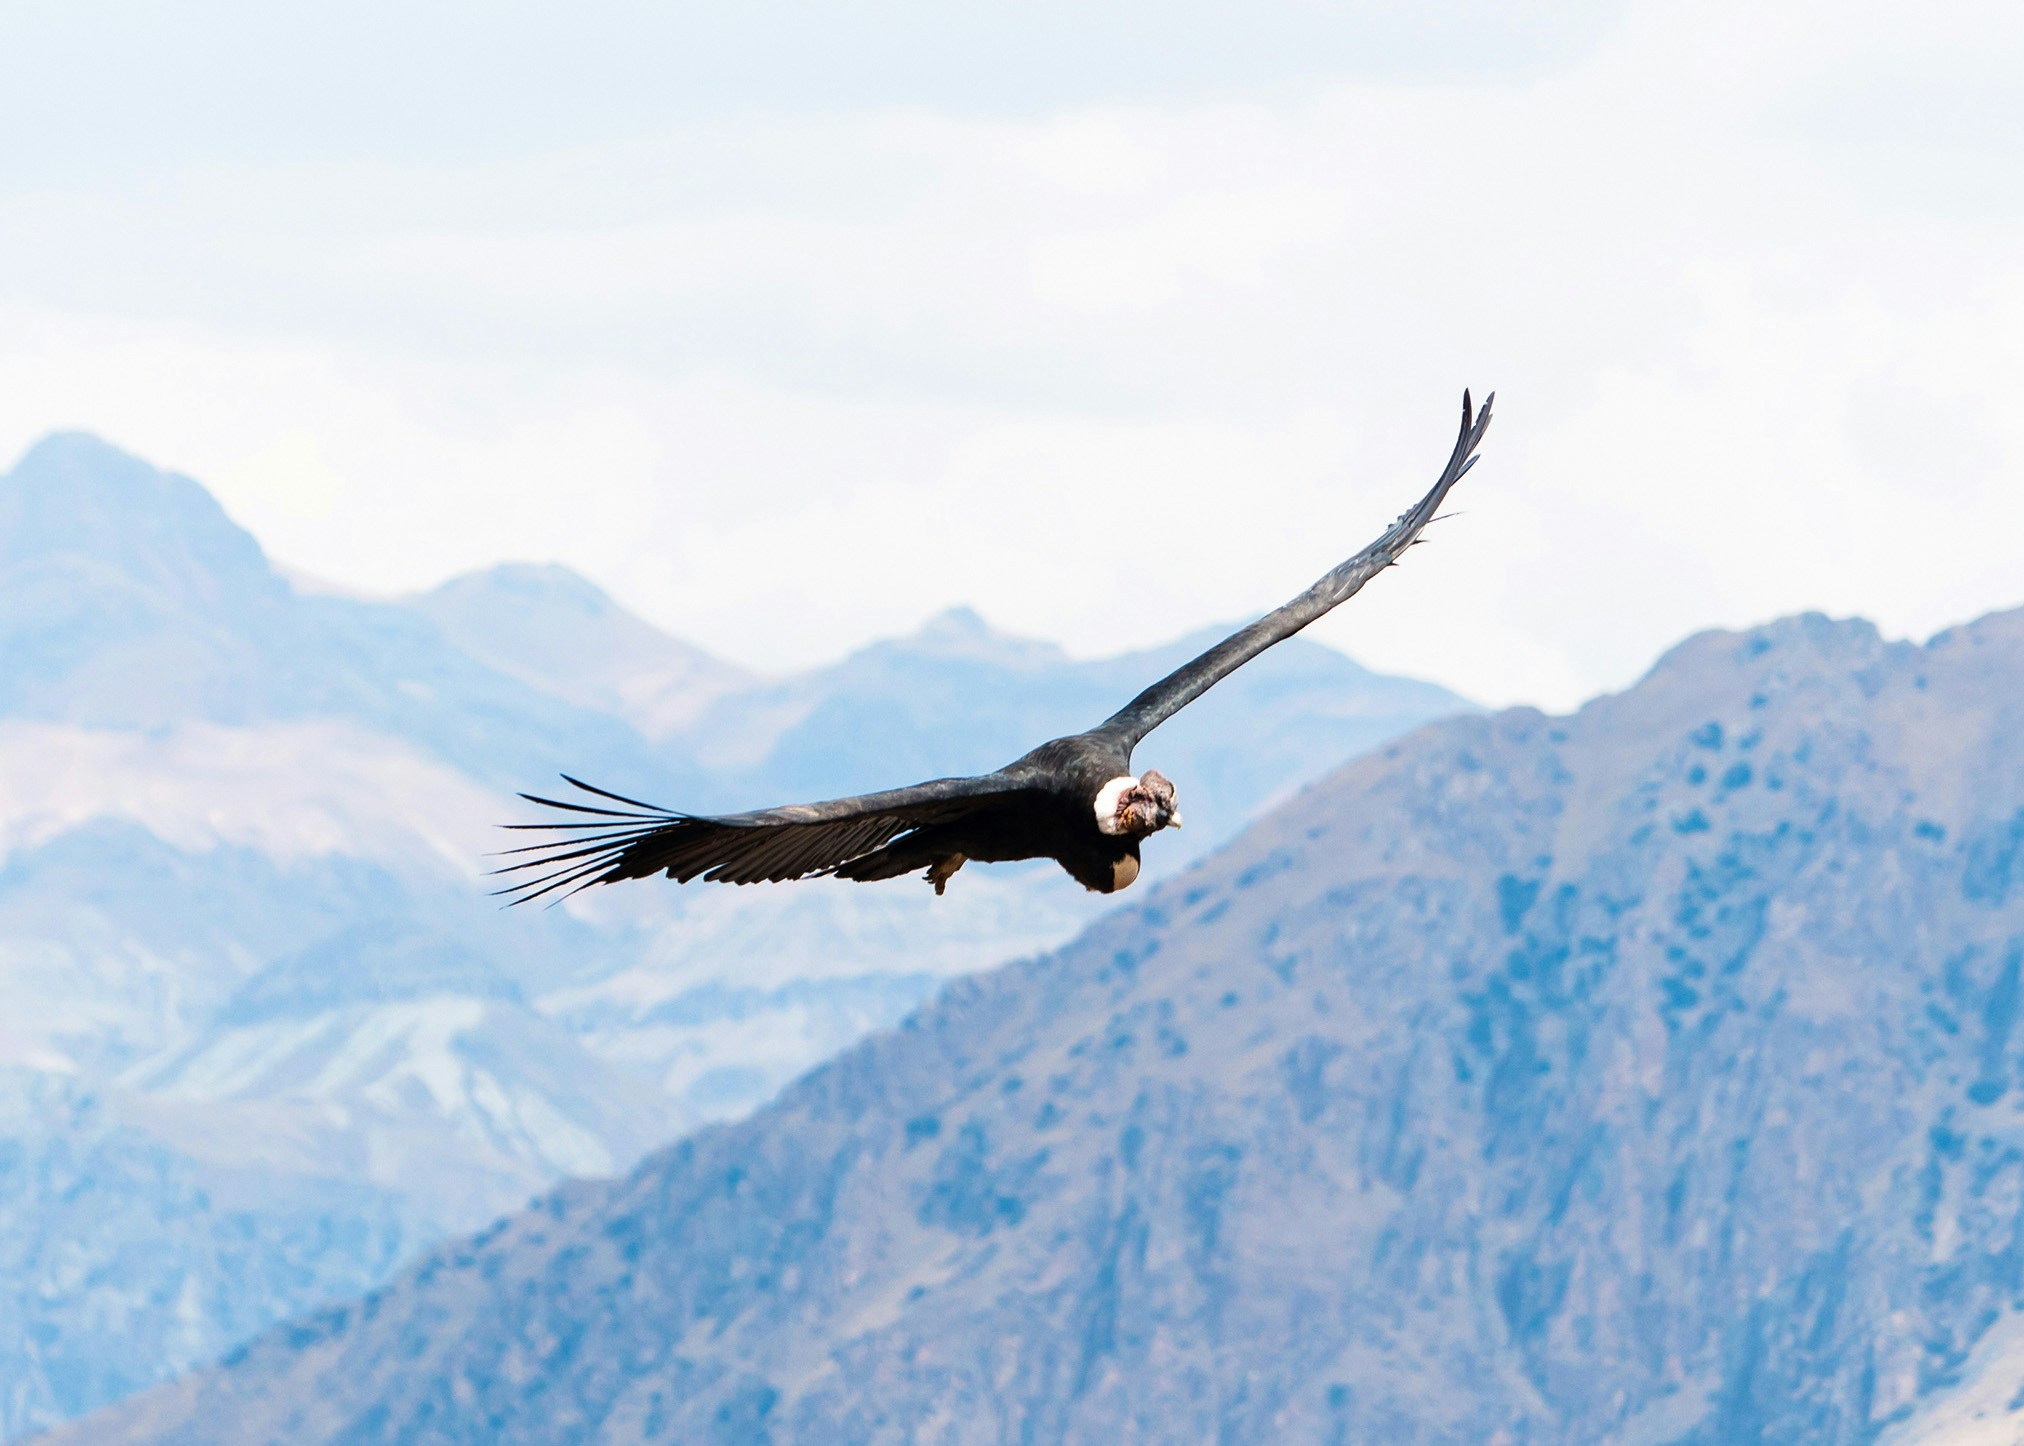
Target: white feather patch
column 1106, row 803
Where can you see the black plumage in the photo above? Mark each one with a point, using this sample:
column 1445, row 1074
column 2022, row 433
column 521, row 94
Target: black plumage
column 1073, row 799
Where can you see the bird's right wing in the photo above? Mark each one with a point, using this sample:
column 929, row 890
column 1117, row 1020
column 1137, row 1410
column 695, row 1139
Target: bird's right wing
column 1188, row 682
column 618, row 838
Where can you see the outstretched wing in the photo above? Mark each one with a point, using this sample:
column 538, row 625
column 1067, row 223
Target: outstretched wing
column 622, row 838
column 1187, row 683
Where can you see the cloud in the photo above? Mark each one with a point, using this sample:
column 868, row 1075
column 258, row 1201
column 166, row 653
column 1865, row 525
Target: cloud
column 117, row 88
column 1107, row 366
column 1920, row 110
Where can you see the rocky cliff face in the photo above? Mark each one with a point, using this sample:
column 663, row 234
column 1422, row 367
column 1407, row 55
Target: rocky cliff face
column 1647, row 1075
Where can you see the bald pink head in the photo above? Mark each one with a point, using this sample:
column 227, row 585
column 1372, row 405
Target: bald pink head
column 1136, row 807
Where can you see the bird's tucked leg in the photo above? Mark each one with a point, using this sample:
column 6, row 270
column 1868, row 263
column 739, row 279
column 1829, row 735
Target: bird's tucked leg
column 943, row 869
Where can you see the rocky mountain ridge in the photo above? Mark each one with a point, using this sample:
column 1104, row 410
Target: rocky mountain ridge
column 1645, row 1075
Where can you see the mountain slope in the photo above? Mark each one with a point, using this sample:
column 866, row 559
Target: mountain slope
column 957, row 697
column 555, row 631
column 263, row 1034
column 134, row 601
column 1646, row 1075
column 125, row 1258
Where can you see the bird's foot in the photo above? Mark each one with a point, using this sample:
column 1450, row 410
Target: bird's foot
column 942, row 870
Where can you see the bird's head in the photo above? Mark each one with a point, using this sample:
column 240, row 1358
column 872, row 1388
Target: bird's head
column 1138, row 806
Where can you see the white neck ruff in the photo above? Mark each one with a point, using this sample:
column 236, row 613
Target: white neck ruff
column 1106, row 803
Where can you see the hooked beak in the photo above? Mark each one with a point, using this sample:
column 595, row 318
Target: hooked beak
column 1174, row 822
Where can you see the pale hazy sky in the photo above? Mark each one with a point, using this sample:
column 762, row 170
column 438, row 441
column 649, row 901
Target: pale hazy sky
column 792, row 324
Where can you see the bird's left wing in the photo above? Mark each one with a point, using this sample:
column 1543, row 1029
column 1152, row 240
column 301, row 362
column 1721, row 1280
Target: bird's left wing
column 616, row 838
column 1187, row 683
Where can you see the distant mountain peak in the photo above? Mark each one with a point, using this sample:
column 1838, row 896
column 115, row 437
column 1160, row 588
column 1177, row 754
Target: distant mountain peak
column 961, row 632
column 526, row 583
column 71, row 448
column 1801, row 643
column 73, row 494
column 960, row 620
column 81, row 465
column 554, row 629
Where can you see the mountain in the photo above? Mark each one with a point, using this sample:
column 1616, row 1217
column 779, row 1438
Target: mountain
column 124, row 1257
column 957, row 698
column 558, row 632
column 134, row 601
column 264, row 1035
column 1645, row 1075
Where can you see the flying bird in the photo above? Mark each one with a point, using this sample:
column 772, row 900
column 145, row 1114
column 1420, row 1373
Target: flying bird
column 1074, row 800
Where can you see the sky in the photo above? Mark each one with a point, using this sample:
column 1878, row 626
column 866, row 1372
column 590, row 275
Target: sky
column 793, row 324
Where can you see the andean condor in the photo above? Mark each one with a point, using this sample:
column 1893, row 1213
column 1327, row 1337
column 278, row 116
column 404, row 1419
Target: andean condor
column 1074, row 800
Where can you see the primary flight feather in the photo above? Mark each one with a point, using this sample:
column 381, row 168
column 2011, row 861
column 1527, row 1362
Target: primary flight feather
column 1074, row 800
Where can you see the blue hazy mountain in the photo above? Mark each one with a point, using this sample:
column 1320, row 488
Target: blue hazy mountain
column 263, row 1034
column 954, row 697
column 122, row 1253
column 555, row 630
column 132, row 600
column 957, row 697
column 1646, row 1075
